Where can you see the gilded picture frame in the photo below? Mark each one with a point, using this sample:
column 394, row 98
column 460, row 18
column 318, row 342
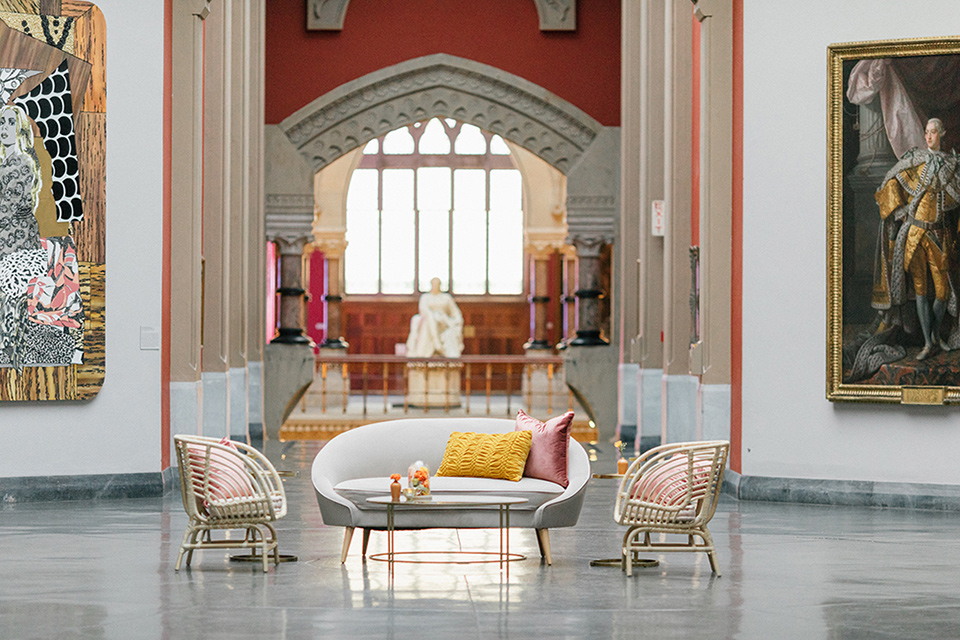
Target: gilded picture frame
column 893, row 221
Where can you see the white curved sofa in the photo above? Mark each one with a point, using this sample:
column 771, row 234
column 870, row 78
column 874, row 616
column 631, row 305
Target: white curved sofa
column 357, row 465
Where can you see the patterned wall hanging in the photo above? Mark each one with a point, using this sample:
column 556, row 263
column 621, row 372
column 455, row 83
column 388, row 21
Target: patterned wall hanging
column 52, row 196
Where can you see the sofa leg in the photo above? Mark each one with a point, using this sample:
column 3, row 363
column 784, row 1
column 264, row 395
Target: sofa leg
column 347, row 536
column 366, row 541
column 543, row 538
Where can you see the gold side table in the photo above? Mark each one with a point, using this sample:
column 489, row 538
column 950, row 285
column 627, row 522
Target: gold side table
column 618, row 562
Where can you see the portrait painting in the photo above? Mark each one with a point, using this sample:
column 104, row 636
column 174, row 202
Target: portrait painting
column 52, row 195
column 893, row 220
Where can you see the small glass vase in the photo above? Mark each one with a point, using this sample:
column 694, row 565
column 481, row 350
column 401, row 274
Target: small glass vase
column 418, row 479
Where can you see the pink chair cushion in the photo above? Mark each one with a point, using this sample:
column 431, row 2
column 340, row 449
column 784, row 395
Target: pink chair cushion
column 667, row 485
column 228, row 475
column 548, row 451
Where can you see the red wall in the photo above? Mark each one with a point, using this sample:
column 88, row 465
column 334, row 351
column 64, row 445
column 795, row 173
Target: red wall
column 582, row 67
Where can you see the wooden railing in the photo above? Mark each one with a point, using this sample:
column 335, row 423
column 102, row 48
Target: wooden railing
column 365, row 383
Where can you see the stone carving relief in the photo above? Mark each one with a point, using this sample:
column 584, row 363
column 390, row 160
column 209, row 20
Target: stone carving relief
column 289, row 217
column 592, row 216
column 326, row 15
column 445, row 86
column 555, row 15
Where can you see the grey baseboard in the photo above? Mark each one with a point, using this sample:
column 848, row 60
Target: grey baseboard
column 87, row 487
column 903, row 495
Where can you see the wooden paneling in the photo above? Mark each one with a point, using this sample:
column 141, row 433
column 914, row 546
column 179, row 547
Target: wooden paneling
column 89, row 233
column 22, row 6
column 91, row 373
column 90, row 35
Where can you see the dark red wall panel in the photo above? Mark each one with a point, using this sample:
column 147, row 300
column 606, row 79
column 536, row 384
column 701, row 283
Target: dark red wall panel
column 582, row 67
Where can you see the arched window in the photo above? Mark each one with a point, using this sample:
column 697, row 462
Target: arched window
column 435, row 199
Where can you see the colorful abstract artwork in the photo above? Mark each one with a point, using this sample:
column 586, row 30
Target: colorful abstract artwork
column 52, row 195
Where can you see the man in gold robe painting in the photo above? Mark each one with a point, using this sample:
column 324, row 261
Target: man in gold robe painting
column 916, row 251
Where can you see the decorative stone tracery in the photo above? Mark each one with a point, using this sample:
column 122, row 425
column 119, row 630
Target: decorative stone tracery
column 441, row 85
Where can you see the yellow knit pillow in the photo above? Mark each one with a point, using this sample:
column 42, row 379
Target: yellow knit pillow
column 486, row 455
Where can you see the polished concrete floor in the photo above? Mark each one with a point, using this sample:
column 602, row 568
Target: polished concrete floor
column 105, row 570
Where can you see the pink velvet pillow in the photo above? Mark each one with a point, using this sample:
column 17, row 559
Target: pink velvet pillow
column 548, row 452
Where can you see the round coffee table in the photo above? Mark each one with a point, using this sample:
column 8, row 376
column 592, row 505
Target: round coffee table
column 502, row 503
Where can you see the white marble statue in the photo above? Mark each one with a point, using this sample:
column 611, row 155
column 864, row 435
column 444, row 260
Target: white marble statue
column 437, row 330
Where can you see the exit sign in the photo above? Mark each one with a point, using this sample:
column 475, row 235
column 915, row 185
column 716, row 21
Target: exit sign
column 656, row 218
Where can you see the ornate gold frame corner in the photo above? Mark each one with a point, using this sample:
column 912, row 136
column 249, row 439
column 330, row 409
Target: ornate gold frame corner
column 836, row 390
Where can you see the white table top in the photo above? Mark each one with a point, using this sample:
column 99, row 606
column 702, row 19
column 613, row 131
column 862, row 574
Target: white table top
column 449, row 500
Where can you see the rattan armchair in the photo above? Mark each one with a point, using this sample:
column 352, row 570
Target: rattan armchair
column 228, row 486
column 671, row 489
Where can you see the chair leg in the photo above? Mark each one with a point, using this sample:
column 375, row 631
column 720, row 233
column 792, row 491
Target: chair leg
column 276, row 544
column 193, row 540
column 628, row 557
column 183, row 545
column 712, row 551
column 347, row 536
column 543, row 537
column 366, row 541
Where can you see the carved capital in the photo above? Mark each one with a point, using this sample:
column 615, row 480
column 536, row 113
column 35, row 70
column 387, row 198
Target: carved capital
column 332, row 242
column 557, row 15
column 541, row 243
column 590, row 246
column 290, row 246
column 326, row 15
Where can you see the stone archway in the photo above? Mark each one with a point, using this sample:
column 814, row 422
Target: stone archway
column 441, row 85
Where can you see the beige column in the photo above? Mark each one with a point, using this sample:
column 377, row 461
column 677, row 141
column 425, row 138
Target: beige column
column 677, row 185
column 186, row 254
column 254, row 196
column 254, row 214
column 679, row 396
column 716, row 127
column 650, row 185
column 217, row 232
column 630, row 167
column 216, row 190
column 186, row 205
column 237, row 175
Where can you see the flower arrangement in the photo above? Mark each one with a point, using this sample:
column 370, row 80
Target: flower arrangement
column 623, row 463
column 395, row 477
column 418, row 478
column 622, row 446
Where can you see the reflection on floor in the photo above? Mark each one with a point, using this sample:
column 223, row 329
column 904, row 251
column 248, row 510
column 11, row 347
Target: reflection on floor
column 105, row 570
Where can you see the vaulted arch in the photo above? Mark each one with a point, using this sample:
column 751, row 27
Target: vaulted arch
column 445, row 86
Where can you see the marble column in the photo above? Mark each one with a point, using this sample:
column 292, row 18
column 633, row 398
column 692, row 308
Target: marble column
column 588, row 292
column 333, row 298
column 292, row 271
column 540, row 298
column 569, row 262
